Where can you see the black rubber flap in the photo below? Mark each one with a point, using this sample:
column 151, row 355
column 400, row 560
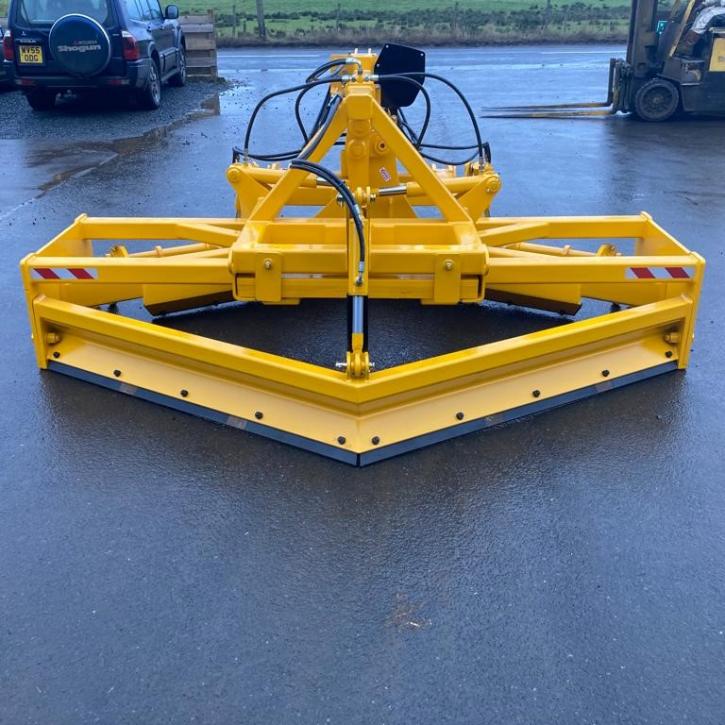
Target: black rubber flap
column 396, row 59
column 80, row 45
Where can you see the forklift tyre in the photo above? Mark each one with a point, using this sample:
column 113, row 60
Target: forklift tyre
column 657, row 100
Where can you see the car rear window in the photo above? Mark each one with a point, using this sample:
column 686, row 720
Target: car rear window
column 44, row 12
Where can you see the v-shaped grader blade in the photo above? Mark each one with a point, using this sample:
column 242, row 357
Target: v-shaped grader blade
column 363, row 238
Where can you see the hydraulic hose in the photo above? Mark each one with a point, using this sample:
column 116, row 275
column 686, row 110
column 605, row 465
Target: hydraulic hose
column 357, row 314
column 298, row 113
column 331, row 108
column 410, row 132
column 428, row 105
column 347, row 198
column 330, row 64
column 483, row 148
column 275, row 94
column 413, row 137
column 310, row 145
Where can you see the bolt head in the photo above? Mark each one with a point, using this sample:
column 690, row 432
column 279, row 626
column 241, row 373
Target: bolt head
column 375, row 440
column 258, row 414
column 493, row 185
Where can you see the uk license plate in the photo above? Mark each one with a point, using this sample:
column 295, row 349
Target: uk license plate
column 31, row 54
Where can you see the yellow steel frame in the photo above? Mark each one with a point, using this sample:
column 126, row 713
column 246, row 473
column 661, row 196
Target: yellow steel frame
column 356, row 414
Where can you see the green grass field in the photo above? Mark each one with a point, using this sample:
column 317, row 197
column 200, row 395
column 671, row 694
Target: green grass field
column 310, row 22
column 421, row 21
column 288, row 7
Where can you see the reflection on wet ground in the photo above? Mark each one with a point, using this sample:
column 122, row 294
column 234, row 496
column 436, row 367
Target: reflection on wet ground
column 40, row 164
column 400, row 331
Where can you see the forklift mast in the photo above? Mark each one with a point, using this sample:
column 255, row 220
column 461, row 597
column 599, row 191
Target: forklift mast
column 648, row 48
column 642, row 41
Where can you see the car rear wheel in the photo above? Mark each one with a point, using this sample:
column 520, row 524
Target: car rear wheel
column 149, row 97
column 41, row 99
column 179, row 78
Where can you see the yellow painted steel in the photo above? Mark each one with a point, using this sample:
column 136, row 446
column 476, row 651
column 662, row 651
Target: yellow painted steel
column 462, row 256
column 717, row 59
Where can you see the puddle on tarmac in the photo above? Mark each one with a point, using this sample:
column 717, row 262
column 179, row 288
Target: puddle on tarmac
column 40, row 165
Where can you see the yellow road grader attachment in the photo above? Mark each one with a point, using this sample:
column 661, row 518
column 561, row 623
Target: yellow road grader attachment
column 386, row 224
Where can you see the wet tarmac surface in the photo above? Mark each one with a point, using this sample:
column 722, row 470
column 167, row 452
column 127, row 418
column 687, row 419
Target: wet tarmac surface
column 84, row 132
column 563, row 569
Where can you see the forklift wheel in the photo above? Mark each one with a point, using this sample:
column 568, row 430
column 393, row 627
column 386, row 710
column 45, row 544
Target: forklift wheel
column 656, row 100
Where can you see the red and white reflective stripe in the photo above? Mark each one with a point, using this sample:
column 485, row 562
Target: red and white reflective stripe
column 660, row 272
column 64, row 273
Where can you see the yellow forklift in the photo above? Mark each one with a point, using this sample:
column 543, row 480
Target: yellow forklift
column 675, row 62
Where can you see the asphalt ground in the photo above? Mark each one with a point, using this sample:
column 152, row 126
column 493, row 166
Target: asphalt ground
column 102, row 118
column 84, row 132
column 564, row 569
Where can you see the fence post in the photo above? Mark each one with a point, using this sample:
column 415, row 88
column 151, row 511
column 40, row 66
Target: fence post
column 260, row 20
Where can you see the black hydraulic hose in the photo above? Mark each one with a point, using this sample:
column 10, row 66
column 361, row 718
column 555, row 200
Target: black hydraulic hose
column 347, row 197
column 274, row 94
column 483, row 148
column 446, row 147
column 331, row 108
column 410, row 132
column 426, row 95
column 298, row 114
column 403, row 121
column 417, row 139
column 281, row 156
column 460, row 162
column 446, row 162
column 238, row 154
column 357, row 315
column 330, row 64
